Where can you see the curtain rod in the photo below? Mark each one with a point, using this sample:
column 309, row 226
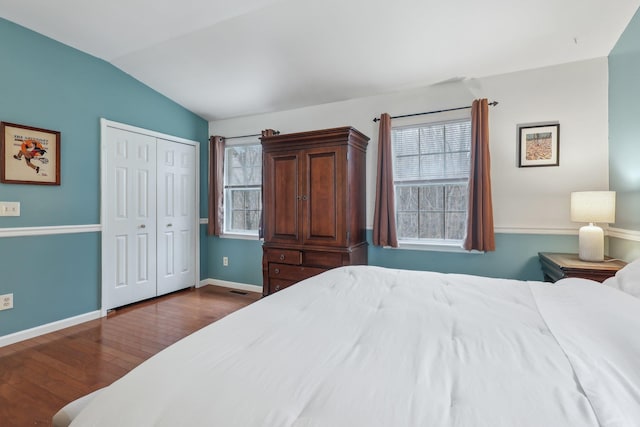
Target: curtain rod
column 277, row 132
column 493, row 104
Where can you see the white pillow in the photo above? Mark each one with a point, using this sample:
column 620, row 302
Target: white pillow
column 627, row 279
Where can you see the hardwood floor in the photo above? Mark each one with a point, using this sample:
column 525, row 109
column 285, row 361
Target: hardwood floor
column 41, row 375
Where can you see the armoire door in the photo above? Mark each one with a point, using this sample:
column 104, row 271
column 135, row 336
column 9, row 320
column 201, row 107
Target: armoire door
column 129, row 222
column 323, row 183
column 176, row 209
column 282, row 199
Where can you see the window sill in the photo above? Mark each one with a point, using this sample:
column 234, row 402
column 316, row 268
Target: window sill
column 413, row 245
column 237, row 235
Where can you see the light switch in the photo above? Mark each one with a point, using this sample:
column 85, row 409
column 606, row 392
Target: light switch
column 9, row 208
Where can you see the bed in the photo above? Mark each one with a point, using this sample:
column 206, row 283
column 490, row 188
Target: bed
column 369, row 346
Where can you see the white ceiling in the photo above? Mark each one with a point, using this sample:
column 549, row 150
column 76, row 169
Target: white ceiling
column 226, row 58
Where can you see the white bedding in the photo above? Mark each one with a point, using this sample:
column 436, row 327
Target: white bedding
column 367, row 346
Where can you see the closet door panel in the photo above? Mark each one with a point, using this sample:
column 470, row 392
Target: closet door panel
column 130, row 222
column 176, row 212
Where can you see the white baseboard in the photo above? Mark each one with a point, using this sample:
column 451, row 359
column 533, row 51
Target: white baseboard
column 49, row 327
column 232, row 285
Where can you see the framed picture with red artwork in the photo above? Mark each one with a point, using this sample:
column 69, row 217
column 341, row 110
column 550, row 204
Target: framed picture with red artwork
column 29, row 155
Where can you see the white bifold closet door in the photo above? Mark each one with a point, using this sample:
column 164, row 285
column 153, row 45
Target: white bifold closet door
column 175, row 213
column 149, row 216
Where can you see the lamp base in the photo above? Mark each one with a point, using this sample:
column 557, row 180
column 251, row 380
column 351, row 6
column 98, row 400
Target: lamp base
column 591, row 243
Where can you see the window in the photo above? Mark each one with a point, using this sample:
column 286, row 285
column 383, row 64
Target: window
column 431, row 175
column 242, row 188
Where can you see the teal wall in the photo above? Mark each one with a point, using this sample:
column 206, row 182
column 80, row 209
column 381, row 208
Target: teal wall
column 49, row 85
column 624, row 137
column 245, row 260
column 624, row 126
column 516, row 257
column 51, row 278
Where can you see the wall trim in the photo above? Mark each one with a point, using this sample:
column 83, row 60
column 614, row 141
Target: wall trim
column 621, row 233
column 232, row 285
column 48, row 328
column 49, row 230
column 534, row 230
column 525, row 230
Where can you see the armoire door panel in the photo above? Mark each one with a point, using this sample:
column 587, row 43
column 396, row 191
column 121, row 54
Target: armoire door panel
column 325, row 188
column 283, row 199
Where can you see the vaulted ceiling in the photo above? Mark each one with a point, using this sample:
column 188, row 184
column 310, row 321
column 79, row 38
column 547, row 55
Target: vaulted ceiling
column 226, row 58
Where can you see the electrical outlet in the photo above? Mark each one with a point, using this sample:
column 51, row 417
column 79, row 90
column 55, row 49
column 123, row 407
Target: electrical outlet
column 225, row 261
column 6, row 301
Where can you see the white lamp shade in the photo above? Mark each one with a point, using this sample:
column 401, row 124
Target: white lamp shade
column 593, row 206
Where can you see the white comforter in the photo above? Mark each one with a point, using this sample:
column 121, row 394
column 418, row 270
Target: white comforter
column 367, row 346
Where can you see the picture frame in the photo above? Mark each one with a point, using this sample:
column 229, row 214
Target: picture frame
column 539, row 145
column 29, row 155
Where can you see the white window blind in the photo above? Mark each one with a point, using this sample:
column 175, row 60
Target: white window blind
column 431, row 174
column 242, row 188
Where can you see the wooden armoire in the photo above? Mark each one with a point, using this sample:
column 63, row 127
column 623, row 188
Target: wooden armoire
column 314, row 204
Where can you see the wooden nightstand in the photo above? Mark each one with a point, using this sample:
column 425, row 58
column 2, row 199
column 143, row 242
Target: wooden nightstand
column 558, row 266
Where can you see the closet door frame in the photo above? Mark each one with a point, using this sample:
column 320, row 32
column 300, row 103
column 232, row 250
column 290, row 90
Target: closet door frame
column 106, row 262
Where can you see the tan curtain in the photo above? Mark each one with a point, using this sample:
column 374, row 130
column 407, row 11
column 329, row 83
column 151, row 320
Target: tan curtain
column 216, row 185
column 384, row 219
column 480, row 234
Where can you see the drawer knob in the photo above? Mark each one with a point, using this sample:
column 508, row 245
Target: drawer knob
column 277, row 271
column 277, row 287
column 281, row 257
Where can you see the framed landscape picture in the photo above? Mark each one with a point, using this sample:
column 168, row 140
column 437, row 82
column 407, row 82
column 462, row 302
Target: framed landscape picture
column 539, row 145
column 29, row 155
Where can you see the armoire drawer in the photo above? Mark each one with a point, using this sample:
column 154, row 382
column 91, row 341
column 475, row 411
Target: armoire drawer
column 322, row 259
column 276, row 285
column 284, row 256
column 292, row 272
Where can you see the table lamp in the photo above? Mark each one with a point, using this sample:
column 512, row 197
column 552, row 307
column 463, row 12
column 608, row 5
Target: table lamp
column 592, row 207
